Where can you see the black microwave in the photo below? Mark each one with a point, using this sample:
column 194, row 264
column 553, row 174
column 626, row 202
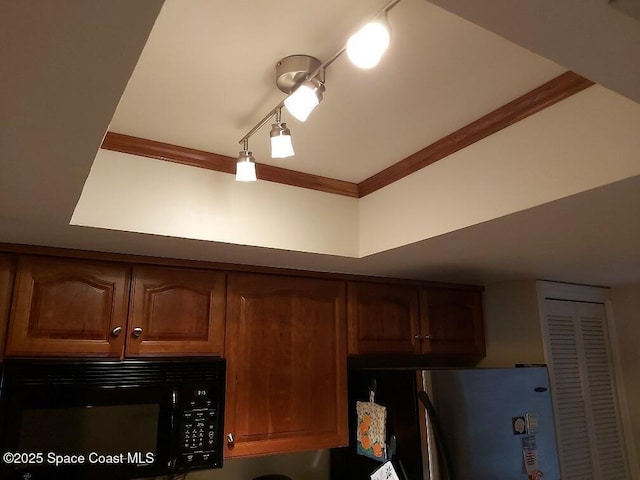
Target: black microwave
column 78, row 419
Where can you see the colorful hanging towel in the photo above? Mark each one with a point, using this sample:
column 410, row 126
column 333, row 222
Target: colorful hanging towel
column 372, row 430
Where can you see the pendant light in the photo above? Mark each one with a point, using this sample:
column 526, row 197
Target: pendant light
column 281, row 146
column 305, row 98
column 246, row 165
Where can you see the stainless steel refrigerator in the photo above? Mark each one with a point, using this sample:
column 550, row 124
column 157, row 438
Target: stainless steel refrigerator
column 485, row 424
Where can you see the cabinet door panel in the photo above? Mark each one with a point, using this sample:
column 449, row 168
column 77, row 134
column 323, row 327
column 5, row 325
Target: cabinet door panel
column 6, row 286
column 452, row 320
column 286, row 368
column 68, row 307
column 179, row 312
column 382, row 318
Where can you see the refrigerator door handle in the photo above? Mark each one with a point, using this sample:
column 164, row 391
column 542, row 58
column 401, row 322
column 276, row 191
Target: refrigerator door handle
column 442, row 451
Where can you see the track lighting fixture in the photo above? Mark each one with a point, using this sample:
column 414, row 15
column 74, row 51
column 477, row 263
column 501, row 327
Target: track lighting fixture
column 246, row 166
column 281, row 146
column 301, row 78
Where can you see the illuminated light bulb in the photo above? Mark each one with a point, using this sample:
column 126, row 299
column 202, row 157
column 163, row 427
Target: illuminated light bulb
column 246, row 167
column 366, row 47
column 304, row 99
column 281, row 146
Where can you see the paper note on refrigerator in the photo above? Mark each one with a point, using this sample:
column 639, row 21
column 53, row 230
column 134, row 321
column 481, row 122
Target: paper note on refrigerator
column 385, row 472
column 530, row 453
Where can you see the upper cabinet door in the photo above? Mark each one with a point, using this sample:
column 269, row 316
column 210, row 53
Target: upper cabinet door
column 176, row 312
column 68, row 307
column 452, row 322
column 6, row 284
column 383, row 318
column 286, row 365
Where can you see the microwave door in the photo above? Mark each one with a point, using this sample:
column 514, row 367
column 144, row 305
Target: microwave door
column 106, row 420
column 100, row 422
column 158, row 416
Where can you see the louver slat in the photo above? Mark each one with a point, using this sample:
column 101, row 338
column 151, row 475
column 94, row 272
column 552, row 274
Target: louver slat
column 599, row 374
column 573, row 436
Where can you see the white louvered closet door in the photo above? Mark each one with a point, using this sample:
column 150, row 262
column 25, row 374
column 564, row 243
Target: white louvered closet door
column 587, row 418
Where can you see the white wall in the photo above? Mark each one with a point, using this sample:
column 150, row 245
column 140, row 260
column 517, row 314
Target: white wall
column 512, row 325
column 626, row 307
column 138, row 194
column 545, row 157
column 552, row 154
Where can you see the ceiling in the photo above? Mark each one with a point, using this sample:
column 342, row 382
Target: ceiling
column 192, row 88
column 200, row 74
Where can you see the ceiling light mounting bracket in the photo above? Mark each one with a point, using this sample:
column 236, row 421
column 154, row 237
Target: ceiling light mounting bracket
column 291, row 71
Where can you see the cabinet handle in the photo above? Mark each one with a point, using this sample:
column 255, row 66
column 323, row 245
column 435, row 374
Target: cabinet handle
column 230, row 440
column 116, row 331
column 423, row 337
column 137, row 332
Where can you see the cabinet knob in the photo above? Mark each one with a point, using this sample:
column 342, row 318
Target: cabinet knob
column 428, row 337
column 417, row 337
column 230, row 440
column 137, row 332
column 116, row 331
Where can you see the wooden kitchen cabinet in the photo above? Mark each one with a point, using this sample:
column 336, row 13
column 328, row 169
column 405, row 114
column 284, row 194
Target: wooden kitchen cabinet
column 452, row 322
column 286, row 364
column 64, row 307
column 383, row 318
column 405, row 319
column 176, row 312
column 6, row 286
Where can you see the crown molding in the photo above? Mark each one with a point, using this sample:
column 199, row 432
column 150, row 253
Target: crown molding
column 550, row 93
column 143, row 147
column 544, row 96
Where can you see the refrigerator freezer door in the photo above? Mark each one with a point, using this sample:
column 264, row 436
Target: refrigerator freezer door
column 396, row 390
column 489, row 417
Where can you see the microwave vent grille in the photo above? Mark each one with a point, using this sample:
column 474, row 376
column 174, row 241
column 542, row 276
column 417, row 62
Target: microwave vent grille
column 116, row 374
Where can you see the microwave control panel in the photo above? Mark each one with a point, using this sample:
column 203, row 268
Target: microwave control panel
column 198, row 420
